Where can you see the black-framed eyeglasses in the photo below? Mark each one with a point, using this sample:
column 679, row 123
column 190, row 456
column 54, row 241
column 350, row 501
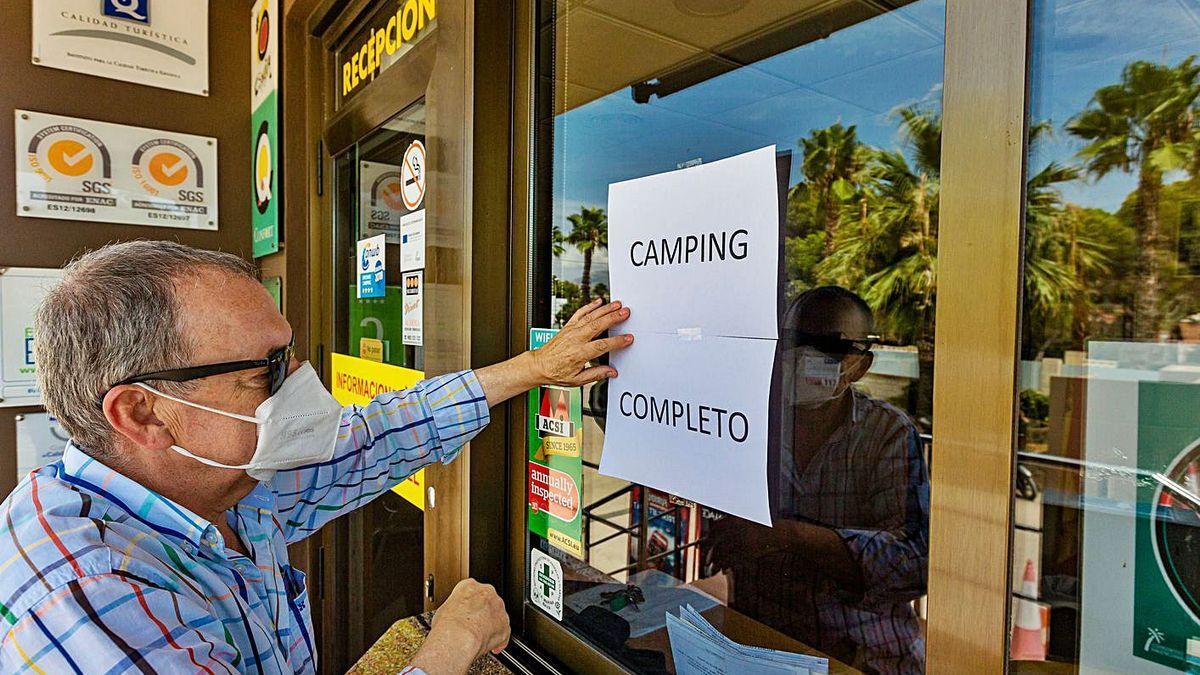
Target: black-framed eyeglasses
column 276, row 363
column 835, row 346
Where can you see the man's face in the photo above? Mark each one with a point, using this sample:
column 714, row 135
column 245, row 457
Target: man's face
column 226, row 318
column 818, row 377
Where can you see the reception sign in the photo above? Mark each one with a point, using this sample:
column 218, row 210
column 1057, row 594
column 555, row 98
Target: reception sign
column 77, row 169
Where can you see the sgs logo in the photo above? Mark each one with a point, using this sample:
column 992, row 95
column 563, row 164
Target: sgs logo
column 387, row 200
column 167, row 168
column 68, row 152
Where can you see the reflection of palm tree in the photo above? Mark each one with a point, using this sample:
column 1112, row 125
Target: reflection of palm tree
column 833, row 160
column 558, row 242
column 1145, row 122
column 892, row 254
column 589, row 233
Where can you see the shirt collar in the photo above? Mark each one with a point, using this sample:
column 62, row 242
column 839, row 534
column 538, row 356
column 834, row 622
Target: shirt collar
column 147, row 506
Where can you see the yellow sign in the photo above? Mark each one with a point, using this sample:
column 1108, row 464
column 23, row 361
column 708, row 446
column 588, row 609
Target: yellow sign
column 370, row 349
column 357, row 381
column 384, row 39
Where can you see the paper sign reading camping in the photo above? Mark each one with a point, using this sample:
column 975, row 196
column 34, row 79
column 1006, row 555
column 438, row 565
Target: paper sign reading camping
column 695, row 253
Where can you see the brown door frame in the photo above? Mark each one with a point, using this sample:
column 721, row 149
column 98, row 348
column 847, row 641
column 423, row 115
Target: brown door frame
column 475, row 170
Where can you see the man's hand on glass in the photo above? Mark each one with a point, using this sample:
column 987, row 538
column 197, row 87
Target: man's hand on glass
column 567, row 360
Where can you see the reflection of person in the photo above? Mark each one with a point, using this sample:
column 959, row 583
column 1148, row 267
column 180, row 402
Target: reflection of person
column 159, row 541
column 849, row 550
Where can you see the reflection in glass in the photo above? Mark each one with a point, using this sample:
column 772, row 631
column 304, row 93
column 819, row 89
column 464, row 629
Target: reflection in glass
column 1105, row 571
column 853, row 92
column 849, row 550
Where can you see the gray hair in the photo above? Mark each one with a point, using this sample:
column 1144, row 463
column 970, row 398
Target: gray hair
column 115, row 315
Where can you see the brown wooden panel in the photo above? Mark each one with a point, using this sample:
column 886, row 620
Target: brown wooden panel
column 977, row 313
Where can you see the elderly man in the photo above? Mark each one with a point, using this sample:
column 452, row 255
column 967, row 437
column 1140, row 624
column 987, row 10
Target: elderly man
column 200, row 450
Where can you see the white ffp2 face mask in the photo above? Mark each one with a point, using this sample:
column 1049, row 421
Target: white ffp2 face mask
column 296, row 427
column 810, row 378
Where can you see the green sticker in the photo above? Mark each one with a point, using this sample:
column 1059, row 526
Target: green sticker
column 555, row 433
column 264, row 171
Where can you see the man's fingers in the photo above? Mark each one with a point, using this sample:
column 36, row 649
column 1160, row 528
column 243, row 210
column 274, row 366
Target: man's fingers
column 603, row 319
column 589, row 319
column 600, row 347
column 593, row 374
column 583, row 311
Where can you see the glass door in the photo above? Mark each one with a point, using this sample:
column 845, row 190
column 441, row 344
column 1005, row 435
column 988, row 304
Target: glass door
column 849, row 94
column 380, row 185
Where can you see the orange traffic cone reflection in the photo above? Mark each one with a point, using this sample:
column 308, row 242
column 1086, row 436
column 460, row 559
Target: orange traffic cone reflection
column 1027, row 641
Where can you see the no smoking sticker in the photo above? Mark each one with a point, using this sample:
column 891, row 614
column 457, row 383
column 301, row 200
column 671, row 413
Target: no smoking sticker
column 412, row 175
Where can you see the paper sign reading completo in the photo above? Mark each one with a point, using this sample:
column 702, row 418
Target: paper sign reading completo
column 76, row 169
column 690, row 417
column 695, row 254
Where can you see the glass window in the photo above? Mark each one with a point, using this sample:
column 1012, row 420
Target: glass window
column 850, row 95
column 1106, row 549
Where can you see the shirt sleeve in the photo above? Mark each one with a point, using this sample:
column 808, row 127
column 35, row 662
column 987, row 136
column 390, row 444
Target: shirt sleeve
column 117, row 623
column 378, row 446
column 895, row 558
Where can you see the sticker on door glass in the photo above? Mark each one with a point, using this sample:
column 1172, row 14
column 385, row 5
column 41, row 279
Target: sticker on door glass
column 546, row 583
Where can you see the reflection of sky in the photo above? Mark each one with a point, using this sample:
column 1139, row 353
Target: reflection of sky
column 858, row 76
column 1082, row 45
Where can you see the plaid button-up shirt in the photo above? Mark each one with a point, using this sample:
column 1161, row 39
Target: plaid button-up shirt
column 100, row 575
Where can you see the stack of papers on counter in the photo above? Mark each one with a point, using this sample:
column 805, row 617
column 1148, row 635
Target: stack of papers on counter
column 700, row 649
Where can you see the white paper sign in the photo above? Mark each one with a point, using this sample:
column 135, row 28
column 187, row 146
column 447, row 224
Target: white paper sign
column 381, row 203
column 698, row 248
column 76, row 169
column 695, row 254
column 690, row 417
column 158, row 43
column 414, row 309
column 40, row 441
column 21, row 291
column 412, row 241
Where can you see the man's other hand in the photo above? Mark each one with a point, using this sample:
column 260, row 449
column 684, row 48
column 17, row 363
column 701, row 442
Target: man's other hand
column 469, row 624
column 476, row 609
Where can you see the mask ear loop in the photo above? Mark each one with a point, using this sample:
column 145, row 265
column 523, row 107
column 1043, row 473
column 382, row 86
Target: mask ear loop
column 184, row 451
column 244, row 418
column 204, row 460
